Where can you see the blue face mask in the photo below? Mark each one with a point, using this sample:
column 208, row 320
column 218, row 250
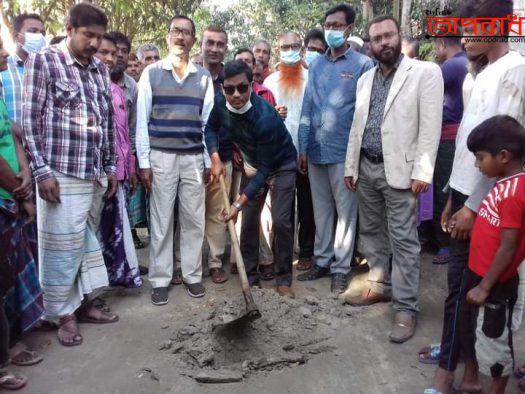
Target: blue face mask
column 34, row 42
column 309, row 56
column 290, row 57
column 335, row 38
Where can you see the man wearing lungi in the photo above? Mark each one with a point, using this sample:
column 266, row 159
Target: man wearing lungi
column 68, row 131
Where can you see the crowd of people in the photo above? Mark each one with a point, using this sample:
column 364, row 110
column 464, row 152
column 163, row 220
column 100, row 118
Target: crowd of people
column 344, row 141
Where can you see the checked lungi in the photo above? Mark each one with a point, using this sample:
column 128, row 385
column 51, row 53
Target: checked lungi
column 23, row 298
column 71, row 262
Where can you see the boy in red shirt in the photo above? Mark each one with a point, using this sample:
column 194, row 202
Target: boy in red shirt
column 490, row 283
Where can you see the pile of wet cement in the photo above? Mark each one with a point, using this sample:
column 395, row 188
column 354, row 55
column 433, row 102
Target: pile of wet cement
column 288, row 334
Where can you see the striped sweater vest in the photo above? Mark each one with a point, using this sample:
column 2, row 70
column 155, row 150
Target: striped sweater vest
column 175, row 122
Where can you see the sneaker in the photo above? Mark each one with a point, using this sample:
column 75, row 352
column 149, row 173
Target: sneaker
column 159, row 296
column 315, row 272
column 339, row 283
column 195, row 290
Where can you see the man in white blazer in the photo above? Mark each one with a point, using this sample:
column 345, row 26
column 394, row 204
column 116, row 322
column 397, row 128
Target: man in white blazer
column 390, row 160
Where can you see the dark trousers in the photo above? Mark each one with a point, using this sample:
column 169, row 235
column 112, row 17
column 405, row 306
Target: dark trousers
column 281, row 185
column 305, row 212
column 497, row 315
column 450, row 348
column 442, row 170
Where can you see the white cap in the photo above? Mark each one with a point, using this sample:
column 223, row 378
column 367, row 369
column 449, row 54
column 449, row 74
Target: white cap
column 356, row 40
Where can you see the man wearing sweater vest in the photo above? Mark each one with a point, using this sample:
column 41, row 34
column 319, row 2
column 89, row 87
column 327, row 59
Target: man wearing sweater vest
column 174, row 102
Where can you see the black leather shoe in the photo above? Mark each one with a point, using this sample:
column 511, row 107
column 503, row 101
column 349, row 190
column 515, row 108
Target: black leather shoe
column 315, row 272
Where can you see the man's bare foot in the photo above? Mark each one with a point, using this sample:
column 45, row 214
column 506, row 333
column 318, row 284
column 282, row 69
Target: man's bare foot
column 90, row 314
column 443, row 380
column 68, row 332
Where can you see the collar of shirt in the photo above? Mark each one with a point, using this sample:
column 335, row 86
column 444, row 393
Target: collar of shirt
column 394, row 69
column 71, row 60
column 167, row 64
column 328, row 55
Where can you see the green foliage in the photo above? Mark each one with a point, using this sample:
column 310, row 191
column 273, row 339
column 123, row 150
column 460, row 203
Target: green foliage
column 426, row 51
column 142, row 21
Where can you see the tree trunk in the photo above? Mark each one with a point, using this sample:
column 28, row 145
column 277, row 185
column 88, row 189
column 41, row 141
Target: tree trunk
column 406, row 28
column 395, row 9
column 368, row 10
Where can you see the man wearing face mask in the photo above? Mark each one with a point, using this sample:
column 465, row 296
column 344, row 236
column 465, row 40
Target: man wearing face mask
column 29, row 37
column 326, row 117
column 175, row 100
column 288, row 85
column 269, row 163
column 315, row 45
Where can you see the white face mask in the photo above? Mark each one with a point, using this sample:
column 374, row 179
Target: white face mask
column 34, row 42
column 245, row 108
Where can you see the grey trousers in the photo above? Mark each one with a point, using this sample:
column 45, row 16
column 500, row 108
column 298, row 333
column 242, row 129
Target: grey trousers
column 176, row 175
column 387, row 223
column 333, row 203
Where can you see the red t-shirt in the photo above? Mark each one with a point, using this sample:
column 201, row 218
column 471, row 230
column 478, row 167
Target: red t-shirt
column 504, row 207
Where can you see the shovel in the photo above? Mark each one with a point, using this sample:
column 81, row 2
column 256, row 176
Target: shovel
column 252, row 312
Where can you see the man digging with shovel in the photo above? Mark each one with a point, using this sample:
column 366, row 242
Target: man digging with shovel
column 269, row 164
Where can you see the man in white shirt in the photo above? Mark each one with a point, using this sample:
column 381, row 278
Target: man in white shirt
column 288, row 85
column 174, row 102
column 497, row 90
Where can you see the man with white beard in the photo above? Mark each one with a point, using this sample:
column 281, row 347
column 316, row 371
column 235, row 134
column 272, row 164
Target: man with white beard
column 288, row 86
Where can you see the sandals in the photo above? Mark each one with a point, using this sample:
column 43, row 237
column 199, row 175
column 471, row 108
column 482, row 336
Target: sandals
column 10, row 381
column 443, row 256
column 304, row 264
column 104, row 317
column 76, row 339
column 100, row 304
column 26, row 358
column 430, row 354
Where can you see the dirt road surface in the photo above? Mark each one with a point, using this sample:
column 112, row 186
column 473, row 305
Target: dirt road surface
column 136, row 355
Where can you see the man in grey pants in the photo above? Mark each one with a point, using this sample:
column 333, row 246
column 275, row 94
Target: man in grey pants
column 391, row 150
column 326, row 117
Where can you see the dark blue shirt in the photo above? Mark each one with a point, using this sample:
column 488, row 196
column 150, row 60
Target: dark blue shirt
column 260, row 135
column 328, row 106
column 454, row 71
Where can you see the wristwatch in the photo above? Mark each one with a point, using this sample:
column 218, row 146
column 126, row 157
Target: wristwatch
column 237, row 206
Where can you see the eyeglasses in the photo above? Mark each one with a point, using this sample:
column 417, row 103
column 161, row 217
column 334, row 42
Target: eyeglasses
column 288, row 47
column 334, row 26
column 150, row 58
column 386, row 36
column 175, row 31
column 241, row 88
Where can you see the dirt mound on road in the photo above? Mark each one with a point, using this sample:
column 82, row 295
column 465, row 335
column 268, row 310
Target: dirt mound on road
column 288, row 334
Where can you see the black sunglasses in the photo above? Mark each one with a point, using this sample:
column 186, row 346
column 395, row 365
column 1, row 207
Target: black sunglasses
column 242, row 88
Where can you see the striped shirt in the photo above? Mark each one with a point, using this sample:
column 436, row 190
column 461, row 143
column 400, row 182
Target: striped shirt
column 11, row 80
column 67, row 115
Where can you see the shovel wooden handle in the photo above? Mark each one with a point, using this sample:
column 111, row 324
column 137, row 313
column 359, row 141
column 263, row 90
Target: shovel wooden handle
column 250, row 304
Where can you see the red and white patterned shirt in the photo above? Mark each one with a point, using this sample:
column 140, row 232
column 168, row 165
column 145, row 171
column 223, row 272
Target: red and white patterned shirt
column 502, row 208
